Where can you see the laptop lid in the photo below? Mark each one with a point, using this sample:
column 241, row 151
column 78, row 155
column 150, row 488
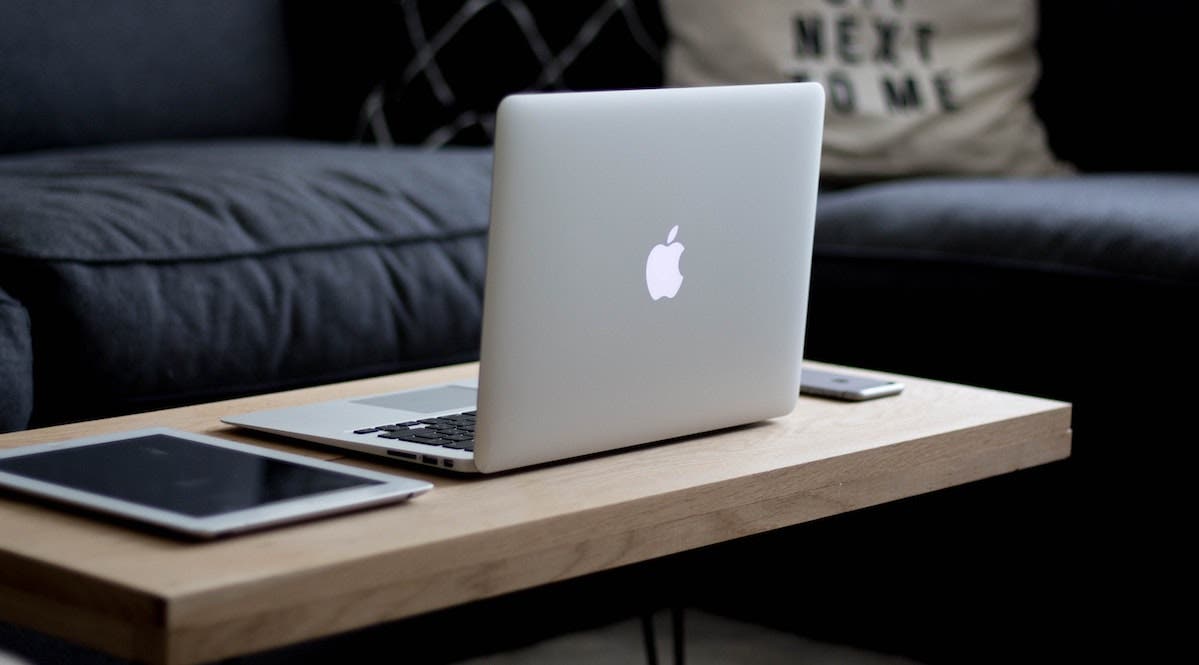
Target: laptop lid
column 648, row 266
column 647, row 278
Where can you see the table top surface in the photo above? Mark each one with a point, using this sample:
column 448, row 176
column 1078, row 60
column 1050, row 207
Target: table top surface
column 155, row 598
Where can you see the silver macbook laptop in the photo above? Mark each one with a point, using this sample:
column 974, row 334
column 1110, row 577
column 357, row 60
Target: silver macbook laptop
column 647, row 278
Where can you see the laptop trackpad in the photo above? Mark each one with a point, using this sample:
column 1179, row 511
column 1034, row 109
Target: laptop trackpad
column 429, row 400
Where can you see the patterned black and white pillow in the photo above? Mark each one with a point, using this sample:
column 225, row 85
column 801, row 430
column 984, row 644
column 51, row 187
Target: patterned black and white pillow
column 452, row 61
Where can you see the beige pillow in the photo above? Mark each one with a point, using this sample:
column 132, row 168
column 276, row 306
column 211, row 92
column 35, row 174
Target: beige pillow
column 914, row 86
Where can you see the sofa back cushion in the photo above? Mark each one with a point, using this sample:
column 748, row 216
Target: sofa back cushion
column 104, row 71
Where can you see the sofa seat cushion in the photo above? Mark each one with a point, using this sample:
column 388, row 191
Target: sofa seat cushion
column 1077, row 289
column 1129, row 226
column 170, row 273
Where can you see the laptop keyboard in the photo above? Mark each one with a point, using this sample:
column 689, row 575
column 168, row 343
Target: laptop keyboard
column 455, row 431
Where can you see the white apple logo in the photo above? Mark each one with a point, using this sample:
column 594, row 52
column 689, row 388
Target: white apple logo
column 662, row 275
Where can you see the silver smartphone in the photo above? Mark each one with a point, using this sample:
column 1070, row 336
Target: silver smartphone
column 845, row 386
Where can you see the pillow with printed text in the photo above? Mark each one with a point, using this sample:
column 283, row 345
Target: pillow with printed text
column 914, row 87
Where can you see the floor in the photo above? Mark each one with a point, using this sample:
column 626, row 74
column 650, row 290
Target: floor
column 710, row 640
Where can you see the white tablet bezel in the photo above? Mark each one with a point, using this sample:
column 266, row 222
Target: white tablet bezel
column 392, row 488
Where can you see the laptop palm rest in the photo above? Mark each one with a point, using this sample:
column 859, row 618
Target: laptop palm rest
column 429, row 400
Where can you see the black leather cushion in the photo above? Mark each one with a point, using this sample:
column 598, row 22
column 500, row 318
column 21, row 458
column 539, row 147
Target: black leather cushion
column 1128, row 226
column 16, row 365
column 451, row 62
column 103, row 71
column 170, row 273
column 1080, row 289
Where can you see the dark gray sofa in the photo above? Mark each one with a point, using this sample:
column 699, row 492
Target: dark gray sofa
column 183, row 217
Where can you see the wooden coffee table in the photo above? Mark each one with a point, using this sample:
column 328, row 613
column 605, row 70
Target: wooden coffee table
column 153, row 598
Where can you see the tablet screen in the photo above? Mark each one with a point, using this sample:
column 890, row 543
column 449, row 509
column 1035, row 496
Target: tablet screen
column 179, row 475
column 195, row 484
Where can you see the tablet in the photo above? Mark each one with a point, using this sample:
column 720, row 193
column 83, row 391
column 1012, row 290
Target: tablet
column 194, row 484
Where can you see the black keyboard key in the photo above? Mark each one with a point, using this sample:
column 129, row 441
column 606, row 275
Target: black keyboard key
column 426, row 434
column 412, row 437
column 366, row 430
column 456, row 431
column 402, row 436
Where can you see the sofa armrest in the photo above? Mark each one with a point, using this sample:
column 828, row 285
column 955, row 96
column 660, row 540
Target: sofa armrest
column 16, row 365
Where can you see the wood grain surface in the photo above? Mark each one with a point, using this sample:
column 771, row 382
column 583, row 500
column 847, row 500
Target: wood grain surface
column 156, row 598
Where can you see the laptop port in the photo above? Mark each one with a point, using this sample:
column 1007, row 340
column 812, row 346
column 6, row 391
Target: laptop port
column 400, row 453
column 429, row 459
